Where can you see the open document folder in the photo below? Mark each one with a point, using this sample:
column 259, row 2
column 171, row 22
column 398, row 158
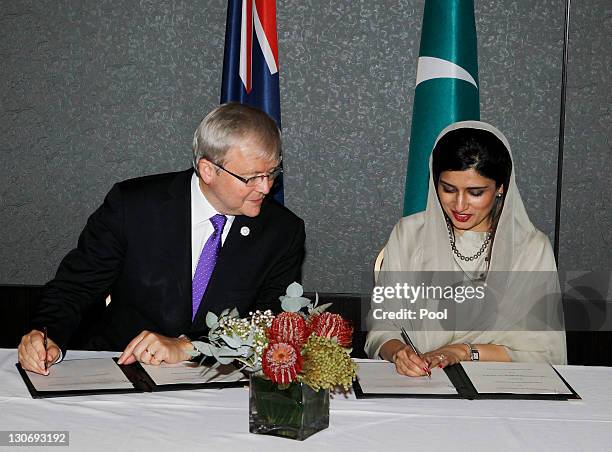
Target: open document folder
column 104, row 375
column 469, row 380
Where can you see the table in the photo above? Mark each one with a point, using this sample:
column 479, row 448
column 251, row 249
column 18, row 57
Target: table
column 217, row 420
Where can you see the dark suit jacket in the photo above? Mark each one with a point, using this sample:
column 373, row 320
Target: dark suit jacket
column 137, row 246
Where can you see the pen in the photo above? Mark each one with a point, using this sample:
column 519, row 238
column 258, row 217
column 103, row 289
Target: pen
column 45, row 344
column 413, row 347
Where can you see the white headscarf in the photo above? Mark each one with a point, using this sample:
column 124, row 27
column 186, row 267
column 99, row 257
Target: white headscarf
column 526, row 317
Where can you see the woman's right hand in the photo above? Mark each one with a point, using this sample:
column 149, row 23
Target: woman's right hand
column 408, row 363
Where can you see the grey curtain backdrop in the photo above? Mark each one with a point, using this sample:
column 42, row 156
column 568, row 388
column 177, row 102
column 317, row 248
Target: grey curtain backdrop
column 94, row 92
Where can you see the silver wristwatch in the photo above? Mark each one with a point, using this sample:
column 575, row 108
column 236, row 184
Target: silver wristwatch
column 474, row 355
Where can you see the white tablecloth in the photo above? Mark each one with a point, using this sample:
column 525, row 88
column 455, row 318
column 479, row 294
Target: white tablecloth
column 217, row 420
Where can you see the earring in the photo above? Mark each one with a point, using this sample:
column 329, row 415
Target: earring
column 499, row 194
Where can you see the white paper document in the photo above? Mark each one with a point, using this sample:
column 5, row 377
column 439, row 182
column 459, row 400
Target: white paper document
column 380, row 377
column 191, row 373
column 514, row 378
column 81, row 375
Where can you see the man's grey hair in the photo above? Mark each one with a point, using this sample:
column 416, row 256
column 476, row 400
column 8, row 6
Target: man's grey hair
column 230, row 124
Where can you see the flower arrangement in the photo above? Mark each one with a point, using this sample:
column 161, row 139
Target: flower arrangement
column 310, row 347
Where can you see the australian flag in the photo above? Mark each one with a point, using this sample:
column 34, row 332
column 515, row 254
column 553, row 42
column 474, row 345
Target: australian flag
column 250, row 62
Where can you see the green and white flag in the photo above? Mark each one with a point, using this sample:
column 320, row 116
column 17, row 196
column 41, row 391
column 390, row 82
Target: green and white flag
column 446, row 87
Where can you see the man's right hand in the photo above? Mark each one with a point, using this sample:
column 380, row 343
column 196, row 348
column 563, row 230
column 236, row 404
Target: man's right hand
column 32, row 354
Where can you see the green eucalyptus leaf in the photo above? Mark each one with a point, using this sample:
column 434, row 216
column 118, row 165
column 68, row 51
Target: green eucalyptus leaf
column 295, row 301
column 212, row 321
column 232, row 341
column 233, row 353
column 222, row 360
column 320, row 309
column 295, row 290
column 245, row 350
column 290, row 304
column 226, row 351
column 203, row 347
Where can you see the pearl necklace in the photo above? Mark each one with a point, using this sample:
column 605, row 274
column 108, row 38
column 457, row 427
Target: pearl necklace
column 451, row 238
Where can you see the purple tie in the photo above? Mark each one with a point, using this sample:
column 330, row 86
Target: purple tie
column 206, row 262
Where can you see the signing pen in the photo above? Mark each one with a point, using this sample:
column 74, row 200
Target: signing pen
column 45, row 342
column 413, row 347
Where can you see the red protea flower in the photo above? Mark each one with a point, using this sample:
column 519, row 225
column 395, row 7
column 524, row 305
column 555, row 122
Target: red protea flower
column 289, row 327
column 332, row 325
column 281, row 362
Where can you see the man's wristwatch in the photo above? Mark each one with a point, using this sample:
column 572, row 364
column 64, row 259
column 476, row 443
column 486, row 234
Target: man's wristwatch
column 473, row 351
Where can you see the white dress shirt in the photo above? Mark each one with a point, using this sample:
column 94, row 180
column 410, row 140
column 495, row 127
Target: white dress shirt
column 201, row 227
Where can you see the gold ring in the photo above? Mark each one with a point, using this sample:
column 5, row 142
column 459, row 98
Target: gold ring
column 442, row 356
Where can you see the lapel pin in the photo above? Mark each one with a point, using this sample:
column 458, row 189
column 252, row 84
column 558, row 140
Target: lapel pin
column 244, row 230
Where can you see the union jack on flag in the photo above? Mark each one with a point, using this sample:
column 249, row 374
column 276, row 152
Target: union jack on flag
column 250, row 61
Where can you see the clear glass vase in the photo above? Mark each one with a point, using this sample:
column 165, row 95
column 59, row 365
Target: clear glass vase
column 293, row 411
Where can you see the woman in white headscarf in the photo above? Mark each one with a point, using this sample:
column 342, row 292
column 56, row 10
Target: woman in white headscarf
column 474, row 232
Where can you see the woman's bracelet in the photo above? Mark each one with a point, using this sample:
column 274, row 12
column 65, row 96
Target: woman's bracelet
column 468, row 352
column 473, row 354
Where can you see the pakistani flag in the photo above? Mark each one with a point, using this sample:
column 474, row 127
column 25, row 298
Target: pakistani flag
column 446, row 87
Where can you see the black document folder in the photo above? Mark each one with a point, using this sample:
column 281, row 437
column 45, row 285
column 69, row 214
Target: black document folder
column 139, row 381
column 466, row 389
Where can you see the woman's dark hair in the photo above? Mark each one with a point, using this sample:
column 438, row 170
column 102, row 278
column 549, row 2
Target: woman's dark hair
column 462, row 149
column 466, row 148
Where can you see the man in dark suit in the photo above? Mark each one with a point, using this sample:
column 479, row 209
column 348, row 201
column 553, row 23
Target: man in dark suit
column 171, row 247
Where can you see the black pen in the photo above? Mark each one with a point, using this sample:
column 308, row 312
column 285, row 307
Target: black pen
column 413, row 347
column 45, row 344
